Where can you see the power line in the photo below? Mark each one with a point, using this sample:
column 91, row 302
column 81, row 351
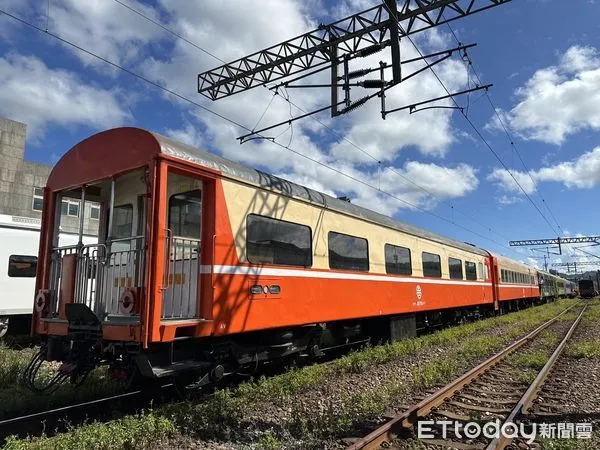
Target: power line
column 324, row 125
column 505, row 128
column 487, row 144
column 233, row 122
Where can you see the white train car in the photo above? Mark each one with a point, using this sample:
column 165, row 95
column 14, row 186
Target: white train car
column 19, row 244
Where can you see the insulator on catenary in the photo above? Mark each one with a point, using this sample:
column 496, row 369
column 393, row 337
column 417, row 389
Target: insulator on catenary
column 370, row 50
column 357, row 73
column 372, row 84
column 356, row 104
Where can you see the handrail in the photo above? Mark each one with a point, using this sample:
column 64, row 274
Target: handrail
column 167, row 272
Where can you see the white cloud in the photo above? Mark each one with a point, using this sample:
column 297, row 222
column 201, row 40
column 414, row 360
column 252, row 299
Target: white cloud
column 558, row 100
column 508, row 183
column 105, row 28
column 509, row 199
column 37, row 95
column 438, row 183
column 189, row 134
column 231, row 29
column 532, row 262
column 582, row 173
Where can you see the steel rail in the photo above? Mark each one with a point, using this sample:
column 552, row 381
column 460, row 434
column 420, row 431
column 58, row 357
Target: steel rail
column 528, row 397
column 388, row 431
column 16, row 424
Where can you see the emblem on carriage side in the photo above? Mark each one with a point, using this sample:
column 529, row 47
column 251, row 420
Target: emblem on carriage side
column 419, row 293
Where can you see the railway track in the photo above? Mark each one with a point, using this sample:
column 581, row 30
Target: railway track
column 108, row 408
column 492, row 392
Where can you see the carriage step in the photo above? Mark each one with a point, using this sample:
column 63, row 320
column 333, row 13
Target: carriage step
column 180, row 366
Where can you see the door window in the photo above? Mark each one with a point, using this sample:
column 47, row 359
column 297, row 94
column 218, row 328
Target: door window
column 185, row 212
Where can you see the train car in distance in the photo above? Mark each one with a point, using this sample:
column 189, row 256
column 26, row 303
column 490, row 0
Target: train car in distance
column 19, row 245
column 204, row 266
column 551, row 286
column 587, row 288
column 571, row 289
column 515, row 280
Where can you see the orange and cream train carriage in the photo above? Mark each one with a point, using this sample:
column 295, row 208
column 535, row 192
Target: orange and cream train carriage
column 205, row 266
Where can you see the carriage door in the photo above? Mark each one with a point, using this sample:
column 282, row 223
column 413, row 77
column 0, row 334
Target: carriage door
column 183, row 248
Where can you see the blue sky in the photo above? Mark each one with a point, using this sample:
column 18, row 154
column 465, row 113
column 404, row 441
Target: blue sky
column 545, row 71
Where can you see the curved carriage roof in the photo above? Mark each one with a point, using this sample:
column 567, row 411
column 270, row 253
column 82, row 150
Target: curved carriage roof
column 135, row 147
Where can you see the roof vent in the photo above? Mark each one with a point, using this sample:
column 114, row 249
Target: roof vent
column 345, row 199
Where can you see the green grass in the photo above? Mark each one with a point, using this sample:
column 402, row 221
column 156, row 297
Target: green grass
column 221, row 416
column 583, row 349
column 526, row 376
column 480, row 346
column 531, row 359
column 586, row 348
column 17, row 400
column 433, row 373
column 135, row 432
column 13, row 363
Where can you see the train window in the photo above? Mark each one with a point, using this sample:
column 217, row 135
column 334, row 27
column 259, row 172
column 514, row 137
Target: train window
column 503, row 278
column 432, row 266
column 480, row 270
column 272, row 241
column 348, row 252
column 486, row 271
column 22, row 266
column 471, row 271
column 455, row 268
column 397, row 260
column 185, row 214
column 122, row 221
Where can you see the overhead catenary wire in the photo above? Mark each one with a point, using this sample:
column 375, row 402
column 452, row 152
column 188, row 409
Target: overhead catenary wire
column 476, row 130
column 233, row 122
column 316, row 119
column 471, row 65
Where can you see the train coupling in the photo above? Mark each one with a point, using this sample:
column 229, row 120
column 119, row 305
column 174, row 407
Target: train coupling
column 79, row 352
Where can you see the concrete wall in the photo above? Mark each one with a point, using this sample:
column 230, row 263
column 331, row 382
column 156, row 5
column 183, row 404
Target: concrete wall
column 18, row 178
